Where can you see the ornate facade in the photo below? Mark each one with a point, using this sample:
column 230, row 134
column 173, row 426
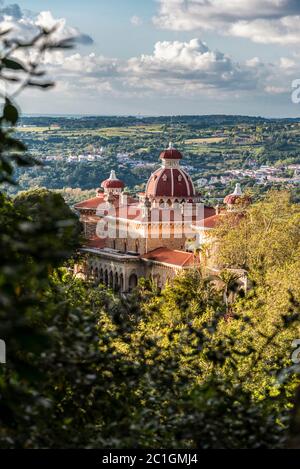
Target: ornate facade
column 154, row 235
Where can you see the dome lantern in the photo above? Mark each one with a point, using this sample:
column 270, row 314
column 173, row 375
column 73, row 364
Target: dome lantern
column 170, row 155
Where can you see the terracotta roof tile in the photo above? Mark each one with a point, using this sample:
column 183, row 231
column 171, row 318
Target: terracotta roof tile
column 209, row 211
column 169, row 256
column 90, row 203
column 95, row 242
column 210, row 222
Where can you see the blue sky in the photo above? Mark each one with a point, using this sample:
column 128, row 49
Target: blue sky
column 169, row 56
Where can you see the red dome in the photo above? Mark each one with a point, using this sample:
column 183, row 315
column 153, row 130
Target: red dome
column 112, row 182
column 231, row 199
column 170, row 182
column 237, row 197
column 171, row 154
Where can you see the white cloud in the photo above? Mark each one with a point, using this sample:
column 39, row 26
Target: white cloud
column 88, row 65
column 286, row 63
column 46, row 20
column 281, row 31
column 136, row 20
column 254, row 62
column 263, row 21
column 25, row 24
column 173, row 69
column 189, row 64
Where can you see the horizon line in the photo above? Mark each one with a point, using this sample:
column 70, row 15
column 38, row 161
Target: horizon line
column 142, row 116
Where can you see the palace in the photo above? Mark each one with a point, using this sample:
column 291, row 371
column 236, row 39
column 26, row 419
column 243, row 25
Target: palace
column 156, row 235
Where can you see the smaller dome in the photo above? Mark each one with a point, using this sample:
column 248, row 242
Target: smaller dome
column 237, row 197
column 171, row 154
column 232, row 198
column 112, row 182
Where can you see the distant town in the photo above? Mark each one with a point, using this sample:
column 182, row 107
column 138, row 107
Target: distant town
column 219, row 151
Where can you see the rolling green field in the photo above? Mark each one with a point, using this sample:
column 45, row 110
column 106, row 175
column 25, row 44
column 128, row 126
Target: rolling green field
column 201, row 141
column 210, row 145
column 106, row 132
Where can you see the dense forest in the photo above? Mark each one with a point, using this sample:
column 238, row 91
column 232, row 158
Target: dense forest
column 192, row 366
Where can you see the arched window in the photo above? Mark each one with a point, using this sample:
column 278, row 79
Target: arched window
column 156, row 279
column 116, row 283
column 121, row 282
column 133, row 281
column 111, row 279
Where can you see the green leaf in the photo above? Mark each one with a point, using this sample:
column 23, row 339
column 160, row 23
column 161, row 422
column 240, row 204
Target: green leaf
column 41, row 85
column 25, row 160
column 13, row 64
column 15, row 144
column 10, row 112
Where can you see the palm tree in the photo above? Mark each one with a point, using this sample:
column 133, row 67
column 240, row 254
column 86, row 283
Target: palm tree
column 230, row 286
column 202, row 252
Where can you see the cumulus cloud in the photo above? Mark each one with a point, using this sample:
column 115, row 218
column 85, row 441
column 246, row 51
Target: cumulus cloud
column 189, row 64
column 281, row 31
column 25, row 24
column 91, row 65
column 174, row 68
column 263, row 21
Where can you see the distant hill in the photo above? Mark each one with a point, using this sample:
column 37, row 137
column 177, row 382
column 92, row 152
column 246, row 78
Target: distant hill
column 201, row 121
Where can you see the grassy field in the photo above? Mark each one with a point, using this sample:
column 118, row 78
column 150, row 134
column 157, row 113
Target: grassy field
column 130, row 131
column 201, row 141
column 108, row 132
column 34, row 129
